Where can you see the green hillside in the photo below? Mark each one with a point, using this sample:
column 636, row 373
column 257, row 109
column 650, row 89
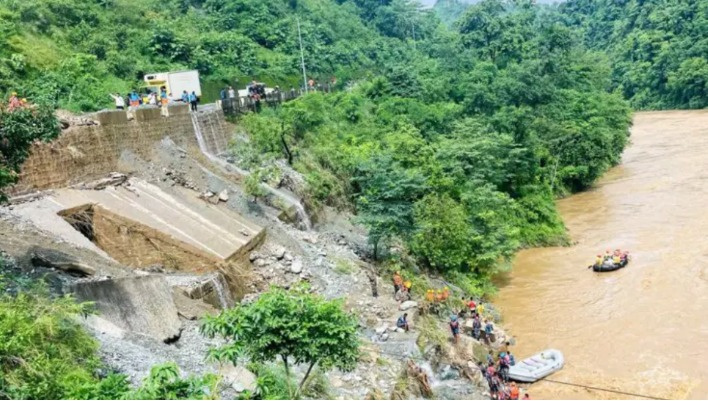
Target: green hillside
column 452, row 141
column 658, row 48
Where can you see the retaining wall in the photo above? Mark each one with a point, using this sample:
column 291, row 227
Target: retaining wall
column 83, row 153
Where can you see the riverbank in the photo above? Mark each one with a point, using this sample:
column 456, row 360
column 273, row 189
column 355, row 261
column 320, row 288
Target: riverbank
column 641, row 329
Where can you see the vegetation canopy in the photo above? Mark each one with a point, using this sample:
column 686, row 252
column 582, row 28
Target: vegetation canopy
column 294, row 327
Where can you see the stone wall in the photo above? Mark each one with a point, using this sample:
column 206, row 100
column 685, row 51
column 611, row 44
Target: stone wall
column 83, row 153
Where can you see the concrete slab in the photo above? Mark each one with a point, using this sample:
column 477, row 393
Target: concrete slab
column 140, row 215
column 210, row 228
column 136, row 304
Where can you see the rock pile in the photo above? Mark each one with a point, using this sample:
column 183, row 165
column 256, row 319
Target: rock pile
column 176, row 177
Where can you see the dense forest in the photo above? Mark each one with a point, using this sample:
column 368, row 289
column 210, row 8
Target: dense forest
column 449, row 140
column 657, row 48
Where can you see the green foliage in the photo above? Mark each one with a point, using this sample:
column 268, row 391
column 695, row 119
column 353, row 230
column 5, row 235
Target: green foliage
column 44, row 353
column 18, row 129
column 658, row 47
column 442, row 236
column 291, row 326
column 272, row 383
column 165, row 383
column 253, row 187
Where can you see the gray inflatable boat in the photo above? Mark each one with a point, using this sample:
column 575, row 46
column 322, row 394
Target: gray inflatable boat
column 537, row 367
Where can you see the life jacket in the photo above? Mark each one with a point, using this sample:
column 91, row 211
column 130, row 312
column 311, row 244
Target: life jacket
column 512, row 360
column 455, row 325
column 504, row 361
column 514, row 393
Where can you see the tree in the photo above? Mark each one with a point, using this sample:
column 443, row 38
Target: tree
column 294, row 326
column 441, row 236
column 387, row 194
column 18, row 129
column 253, row 187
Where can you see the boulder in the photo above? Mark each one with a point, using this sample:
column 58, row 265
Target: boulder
column 239, row 378
column 408, row 305
column 58, row 260
column 224, row 195
column 296, row 266
column 381, row 330
column 278, row 252
column 141, row 304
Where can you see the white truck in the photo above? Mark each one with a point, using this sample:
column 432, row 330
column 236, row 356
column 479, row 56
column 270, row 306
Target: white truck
column 175, row 83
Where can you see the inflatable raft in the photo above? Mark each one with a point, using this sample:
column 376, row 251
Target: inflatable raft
column 610, row 267
column 537, row 367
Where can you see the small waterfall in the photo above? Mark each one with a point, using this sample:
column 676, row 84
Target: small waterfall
column 428, row 369
column 225, row 300
column 200, row 137
column 300, row 210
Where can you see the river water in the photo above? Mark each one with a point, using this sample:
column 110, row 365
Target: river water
column 642, row 329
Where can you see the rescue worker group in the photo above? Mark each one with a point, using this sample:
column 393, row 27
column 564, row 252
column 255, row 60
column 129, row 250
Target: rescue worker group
column 496, row 367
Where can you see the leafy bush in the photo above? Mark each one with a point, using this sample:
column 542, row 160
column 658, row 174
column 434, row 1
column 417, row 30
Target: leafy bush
column 291, row 326
column 46, row 354
column 18, row 129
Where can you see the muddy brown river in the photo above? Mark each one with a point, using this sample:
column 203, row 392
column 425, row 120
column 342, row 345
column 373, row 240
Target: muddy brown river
column 642, row 329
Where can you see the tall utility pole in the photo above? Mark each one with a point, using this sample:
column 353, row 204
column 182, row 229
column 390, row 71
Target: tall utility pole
column 302, row 56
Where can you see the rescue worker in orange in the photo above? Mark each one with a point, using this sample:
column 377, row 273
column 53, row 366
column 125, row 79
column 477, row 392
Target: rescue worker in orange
column 513, row 391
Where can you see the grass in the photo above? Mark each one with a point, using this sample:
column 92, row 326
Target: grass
column 430, row 332
column 317, row 386
column 344, row 266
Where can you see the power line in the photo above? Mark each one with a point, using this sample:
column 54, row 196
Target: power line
column 302, row 55
column 604, row 389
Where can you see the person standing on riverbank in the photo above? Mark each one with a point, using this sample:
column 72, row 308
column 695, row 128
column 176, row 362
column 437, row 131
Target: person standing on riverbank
column 455, row 328
column 476, row 327
column 488, row 331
